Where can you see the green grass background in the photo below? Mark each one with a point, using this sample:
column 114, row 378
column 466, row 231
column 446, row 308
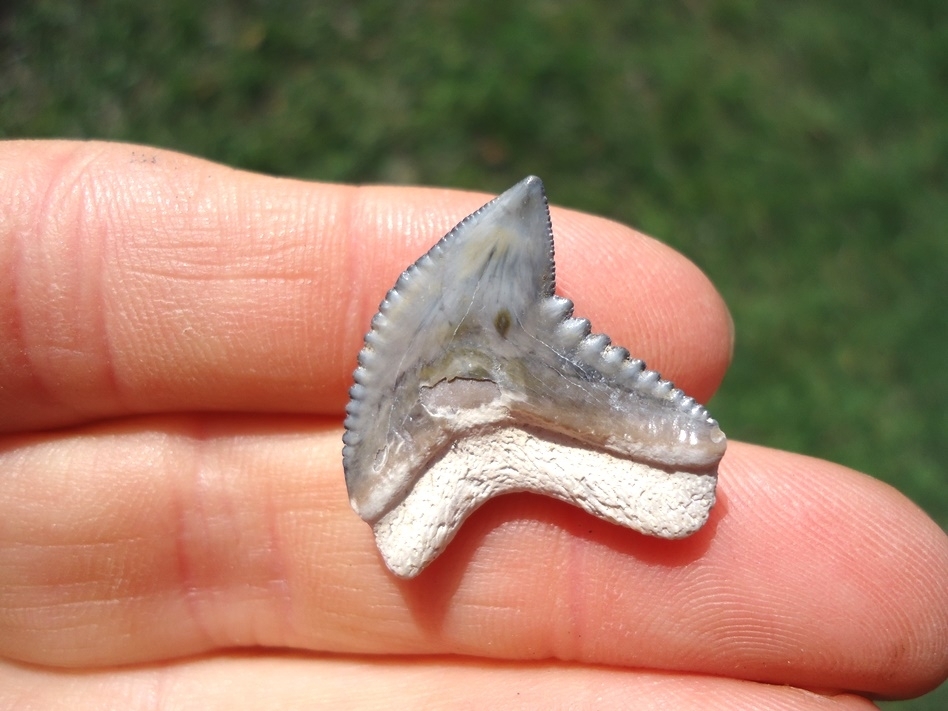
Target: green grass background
column 796, row 151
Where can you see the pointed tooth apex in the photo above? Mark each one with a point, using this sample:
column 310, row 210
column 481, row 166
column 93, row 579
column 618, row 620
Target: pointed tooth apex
column 663, row 388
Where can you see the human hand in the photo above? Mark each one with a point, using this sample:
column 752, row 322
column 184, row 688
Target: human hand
column 176, row 344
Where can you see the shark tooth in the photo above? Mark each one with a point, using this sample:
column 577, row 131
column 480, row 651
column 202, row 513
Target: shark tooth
column 476, row 380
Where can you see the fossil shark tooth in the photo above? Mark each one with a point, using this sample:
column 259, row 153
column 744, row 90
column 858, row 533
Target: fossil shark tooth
column 476, row 380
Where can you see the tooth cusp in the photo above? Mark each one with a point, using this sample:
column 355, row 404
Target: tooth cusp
column 559, row 309
column 368, row 361
column 648, row 378
column 405, row 279
column 373, row 339
column 378, row 321
column 572, row 331
column 612, row 359
column 592, row 346
column 630, row 370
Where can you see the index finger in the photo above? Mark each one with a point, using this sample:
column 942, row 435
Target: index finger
column 137, row 280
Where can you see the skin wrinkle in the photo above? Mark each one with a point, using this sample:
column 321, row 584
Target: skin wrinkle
column 301, row 681
column 567, row 645
column 214, row 591
column 327, row 240
column 216, row 519
column 69, row 190
column 68, row 185
column 185, row 502
column 16, row 327
column 99, row 310
column 348, row 212
column 25, row 229
column 278, row 586
column 399, row 234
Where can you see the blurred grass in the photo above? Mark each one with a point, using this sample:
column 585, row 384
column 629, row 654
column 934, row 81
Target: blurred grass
column 798, row 152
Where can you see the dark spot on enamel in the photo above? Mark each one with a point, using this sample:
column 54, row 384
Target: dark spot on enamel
column 502, row 322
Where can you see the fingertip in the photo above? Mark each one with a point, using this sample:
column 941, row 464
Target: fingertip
column 870, row 567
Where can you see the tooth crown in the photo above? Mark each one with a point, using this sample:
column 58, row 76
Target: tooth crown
column 472, row 339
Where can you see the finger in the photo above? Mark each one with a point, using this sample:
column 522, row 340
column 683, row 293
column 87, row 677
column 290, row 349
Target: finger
column 287, row 681
column 135, row 280
column 159, row 539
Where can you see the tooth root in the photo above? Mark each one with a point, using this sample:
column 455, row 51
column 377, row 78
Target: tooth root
column 653, row 500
